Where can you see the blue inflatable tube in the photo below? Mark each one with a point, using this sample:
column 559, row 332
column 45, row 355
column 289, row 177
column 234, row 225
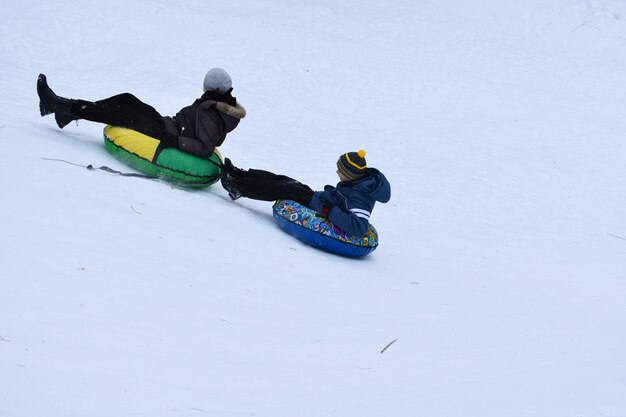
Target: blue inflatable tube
column 310, row 227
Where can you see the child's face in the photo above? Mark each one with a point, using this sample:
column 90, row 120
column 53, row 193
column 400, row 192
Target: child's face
column 342, row 176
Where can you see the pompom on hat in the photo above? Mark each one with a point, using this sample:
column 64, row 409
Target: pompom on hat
column 352, row 164
column 218, row 80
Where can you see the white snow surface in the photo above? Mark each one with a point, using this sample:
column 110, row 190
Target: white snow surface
column 501, row 271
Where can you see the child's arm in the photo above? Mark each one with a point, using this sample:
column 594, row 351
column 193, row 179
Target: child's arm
column 353, row 222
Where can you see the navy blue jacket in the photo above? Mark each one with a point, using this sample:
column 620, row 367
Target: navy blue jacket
column 352, row 202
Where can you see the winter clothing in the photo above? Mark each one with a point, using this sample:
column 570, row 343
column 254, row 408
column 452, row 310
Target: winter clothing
column 217, row 80
column 203, row 126
column 350, row 204
column 352, row 164
column 51, row 103
column 263, row 185
column 123, row 110
column 169, row 140
column 196, row 129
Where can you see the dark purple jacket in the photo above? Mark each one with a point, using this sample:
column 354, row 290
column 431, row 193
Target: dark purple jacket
column 203, row 126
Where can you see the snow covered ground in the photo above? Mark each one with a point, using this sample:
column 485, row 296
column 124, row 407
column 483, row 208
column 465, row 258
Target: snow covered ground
column 502, row 266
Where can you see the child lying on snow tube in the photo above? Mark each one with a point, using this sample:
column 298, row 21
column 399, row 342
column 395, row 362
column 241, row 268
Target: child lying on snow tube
column 196, row 129
column 347, row 206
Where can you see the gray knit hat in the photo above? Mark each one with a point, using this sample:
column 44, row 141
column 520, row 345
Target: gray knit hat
column 217, row 80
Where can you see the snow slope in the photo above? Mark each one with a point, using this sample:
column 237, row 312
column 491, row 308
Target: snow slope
column 501, row 271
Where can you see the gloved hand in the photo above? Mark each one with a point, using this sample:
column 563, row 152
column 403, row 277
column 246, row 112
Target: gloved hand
column 326, row 211
column 169, row 140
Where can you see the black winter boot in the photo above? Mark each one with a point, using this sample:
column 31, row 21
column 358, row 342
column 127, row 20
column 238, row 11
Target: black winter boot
column 51, row 103
column 64, row 118
column 230, row 184
column 232, row 170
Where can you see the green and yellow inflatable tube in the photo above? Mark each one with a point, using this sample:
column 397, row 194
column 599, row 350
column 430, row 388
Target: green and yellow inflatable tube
column 140, row 152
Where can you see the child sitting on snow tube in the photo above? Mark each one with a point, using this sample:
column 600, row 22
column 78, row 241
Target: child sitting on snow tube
column 347, row 206
column 196, row 129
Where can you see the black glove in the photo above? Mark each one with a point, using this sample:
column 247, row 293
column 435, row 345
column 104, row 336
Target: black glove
column 169, row 140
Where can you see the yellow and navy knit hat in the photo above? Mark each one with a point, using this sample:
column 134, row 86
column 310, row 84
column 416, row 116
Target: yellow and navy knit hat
column 352, row 164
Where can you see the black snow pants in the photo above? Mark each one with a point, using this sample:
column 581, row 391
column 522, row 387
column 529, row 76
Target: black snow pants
column 122, row 110
column 264, row 185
